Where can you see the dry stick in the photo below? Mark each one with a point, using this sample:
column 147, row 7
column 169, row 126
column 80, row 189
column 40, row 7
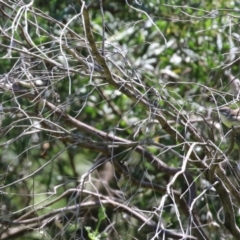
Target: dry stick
column 103, row 28
column 143, row 101
column 135, row 96
column 146, row 104
column 105, row 201
column 89, row 129
column 229, row 214
column 100, row 59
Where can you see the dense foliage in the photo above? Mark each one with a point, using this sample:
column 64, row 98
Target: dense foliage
column 110, row 128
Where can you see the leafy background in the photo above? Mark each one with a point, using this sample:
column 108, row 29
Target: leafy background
column 109, row 129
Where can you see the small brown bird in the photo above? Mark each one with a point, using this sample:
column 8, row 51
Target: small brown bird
column 230, row 117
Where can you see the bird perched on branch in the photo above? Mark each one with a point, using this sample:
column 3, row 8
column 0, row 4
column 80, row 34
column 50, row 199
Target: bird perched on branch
column 230, row 117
